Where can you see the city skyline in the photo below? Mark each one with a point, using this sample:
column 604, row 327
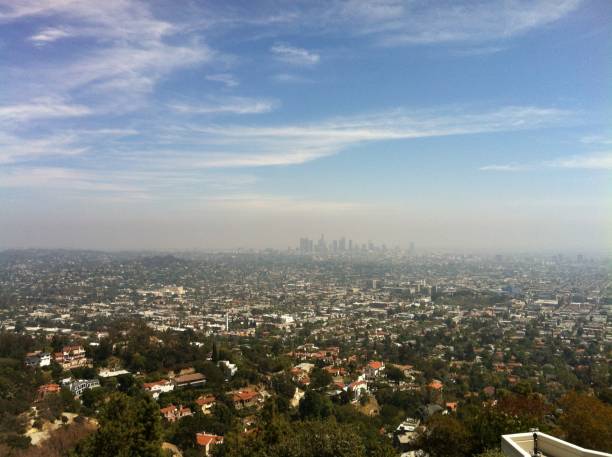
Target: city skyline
column 462, row 126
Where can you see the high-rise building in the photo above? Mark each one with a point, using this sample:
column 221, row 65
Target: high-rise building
column 321, row 245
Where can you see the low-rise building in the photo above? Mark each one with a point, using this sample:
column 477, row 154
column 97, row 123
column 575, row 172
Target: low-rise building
column 207, row 441
column 206, row 403
column 38, row 359
column 81, row 385
column 47, row 389
column 173, row 413
column 158, row 387
column 71, row 357
column 190, row 380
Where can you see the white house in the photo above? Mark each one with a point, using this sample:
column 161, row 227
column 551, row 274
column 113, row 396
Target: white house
column 38, row 359
column 158, row 387
column 228, row 367
column 81, row 385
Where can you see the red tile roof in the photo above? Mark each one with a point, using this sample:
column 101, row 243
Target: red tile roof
column 375, row 365
column 207, row 400
column 435, row 384
column 205, row 439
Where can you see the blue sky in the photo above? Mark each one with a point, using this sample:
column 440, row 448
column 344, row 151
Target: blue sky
column 456, row 125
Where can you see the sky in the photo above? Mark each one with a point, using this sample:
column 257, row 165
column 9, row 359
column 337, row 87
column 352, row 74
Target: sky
column 478, row 125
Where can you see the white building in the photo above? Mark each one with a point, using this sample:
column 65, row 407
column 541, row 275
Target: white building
column 106, row 373
column 38, row 359
column 81, row 385
column 228, row 367
column 158, row 387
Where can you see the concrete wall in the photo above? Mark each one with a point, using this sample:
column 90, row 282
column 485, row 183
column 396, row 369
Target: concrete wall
column 521, row 445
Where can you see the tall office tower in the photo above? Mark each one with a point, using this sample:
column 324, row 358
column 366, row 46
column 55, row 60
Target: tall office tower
column 321, row 246
column 350, row 245
column 310, row 246
column 411, row 249
column 335, row 246
column 303, row 245
column 342, row 244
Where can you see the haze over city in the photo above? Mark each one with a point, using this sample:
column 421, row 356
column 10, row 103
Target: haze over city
column 139, row 125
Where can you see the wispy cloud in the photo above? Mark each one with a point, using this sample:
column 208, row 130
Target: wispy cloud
column 596, row 139
column 396, row 23
column 14, row 149
column 49, row 35
column 227, row 79
column 597, row 161
column 294, row 55
column 254, row 146
column 61, row 178
column 506, row 167
column 600, row 161
column 477, row 51
column 133, row 49
column 133, row 184
column 42, row 108
column 230, row 105
column 290, row 78
column 282, row 204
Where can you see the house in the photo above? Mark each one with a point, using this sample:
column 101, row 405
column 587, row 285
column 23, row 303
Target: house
column 426, row 411
column 109, row 373
column 207, row 441
column 38, row 359
column 489, row 391
column 300, row 373
column 246, row 398
column 81, row 385
column 405, row 433
column 206, row 402
column 374, row 369
column 190, row 380
column 435, row 385
column 172, row 413
column 158, row 387
column 357, row 389
column 228, row 368
column 335, row 371
column 46, row 389
column 71, row 357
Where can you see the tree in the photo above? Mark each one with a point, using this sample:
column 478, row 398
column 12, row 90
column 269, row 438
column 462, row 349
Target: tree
column 394, row 374
column 320, row 378
column 301, row 439
column 587, row 421
column 512, row 414
column 315, row 405
column 215, row 352
column 129, row 426
column 445, row 436
column 283, row 385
